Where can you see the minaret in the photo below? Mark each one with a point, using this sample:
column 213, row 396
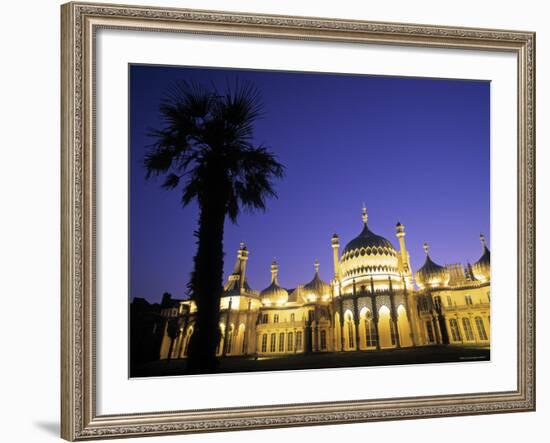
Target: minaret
column 274, row 272
column 404, row 254
column 336, row 256
column 243, row 258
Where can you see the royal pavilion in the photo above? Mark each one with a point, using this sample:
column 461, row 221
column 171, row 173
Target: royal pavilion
column 375, row 301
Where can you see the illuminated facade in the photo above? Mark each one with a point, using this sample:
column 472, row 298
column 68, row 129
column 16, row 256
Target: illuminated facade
column 374, row 302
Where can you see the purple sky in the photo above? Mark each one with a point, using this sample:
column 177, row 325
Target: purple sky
column 414, row 150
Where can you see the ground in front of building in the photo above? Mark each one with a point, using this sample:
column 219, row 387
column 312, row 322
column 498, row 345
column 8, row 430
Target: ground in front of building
column 390, row 357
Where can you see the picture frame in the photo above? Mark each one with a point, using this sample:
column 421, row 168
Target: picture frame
column 80, row 23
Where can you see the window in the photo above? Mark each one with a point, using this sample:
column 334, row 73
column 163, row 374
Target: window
column 276, row 318
column 311, row 315
column 272, row 343
column 351, row 342
column 229, row 341
column 481, row 328
column 437, row 302
column 449, row 300
column 467, row 326
column 265, row 318
column 370, row 331
column 468, row 299
column 264, row 343
column 289, row 341
column 282, row 342
column 430, row 331
column 425, row 306
column 292, row 317
column 299, row 340
column 323, row 339
column 454, row 329
column 393, row 333
column 245, row 343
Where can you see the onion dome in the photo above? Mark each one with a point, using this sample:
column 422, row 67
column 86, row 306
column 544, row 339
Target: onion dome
column 368, row 254
column 316, row 289
column 431, row 274
column 274, row 294
column 482, row 268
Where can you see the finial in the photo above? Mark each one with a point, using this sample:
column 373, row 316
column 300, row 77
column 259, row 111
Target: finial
column 316, row 265
column 365, row 216
column 483, row 242
column 426, row 248
column 241, row 245
column 399, row 229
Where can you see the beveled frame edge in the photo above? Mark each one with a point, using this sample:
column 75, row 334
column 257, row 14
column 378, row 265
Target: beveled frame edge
column 78, row 416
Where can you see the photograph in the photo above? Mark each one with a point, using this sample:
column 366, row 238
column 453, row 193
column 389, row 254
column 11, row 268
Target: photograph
column 284, row 220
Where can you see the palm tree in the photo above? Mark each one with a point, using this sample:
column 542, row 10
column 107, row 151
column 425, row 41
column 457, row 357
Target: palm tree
column 206, row 149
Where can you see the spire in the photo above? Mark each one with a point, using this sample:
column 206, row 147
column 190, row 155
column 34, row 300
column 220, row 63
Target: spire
column 316, row 265
column 274, row 272
column 365, row 217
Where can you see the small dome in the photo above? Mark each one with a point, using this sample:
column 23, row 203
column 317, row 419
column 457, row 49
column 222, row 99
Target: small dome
column 482, row 268
column 316, row 289
column 431, row 274
column 274, row 294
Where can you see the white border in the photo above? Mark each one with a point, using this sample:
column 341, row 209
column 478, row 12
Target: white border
column 117, row 394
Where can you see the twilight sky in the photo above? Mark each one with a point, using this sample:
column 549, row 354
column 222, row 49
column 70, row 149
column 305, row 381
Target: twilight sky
column 413, row 149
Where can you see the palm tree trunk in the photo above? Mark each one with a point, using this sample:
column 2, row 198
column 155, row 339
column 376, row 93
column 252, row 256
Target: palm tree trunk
column 206, row 282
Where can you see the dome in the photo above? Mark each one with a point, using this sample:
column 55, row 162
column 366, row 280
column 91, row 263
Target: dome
column 274, row 294
column 368, row 255
column 431, row 274
column 482, row 268
column 316, row 289
column 369, row 240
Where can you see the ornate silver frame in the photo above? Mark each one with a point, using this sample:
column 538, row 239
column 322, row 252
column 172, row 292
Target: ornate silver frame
column 79, row 420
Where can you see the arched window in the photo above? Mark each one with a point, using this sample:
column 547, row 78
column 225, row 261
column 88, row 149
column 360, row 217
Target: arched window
column 430, row 331
column 229, row 342
column 272, row 343
column 264, row 343
column 467, row 326
column 243, row 337
column 289, row 341
column 282, row 342
column 370, row 331
column 455, row 332
column 299, row 340
column 351, row 342
column 276, row 318
column 481, row 328
column 323, row 339
column 393, row 333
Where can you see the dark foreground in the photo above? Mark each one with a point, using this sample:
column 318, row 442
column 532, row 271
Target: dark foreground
column 420, row 355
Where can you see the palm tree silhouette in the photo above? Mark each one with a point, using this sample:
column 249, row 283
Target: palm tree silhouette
column 206, row 145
